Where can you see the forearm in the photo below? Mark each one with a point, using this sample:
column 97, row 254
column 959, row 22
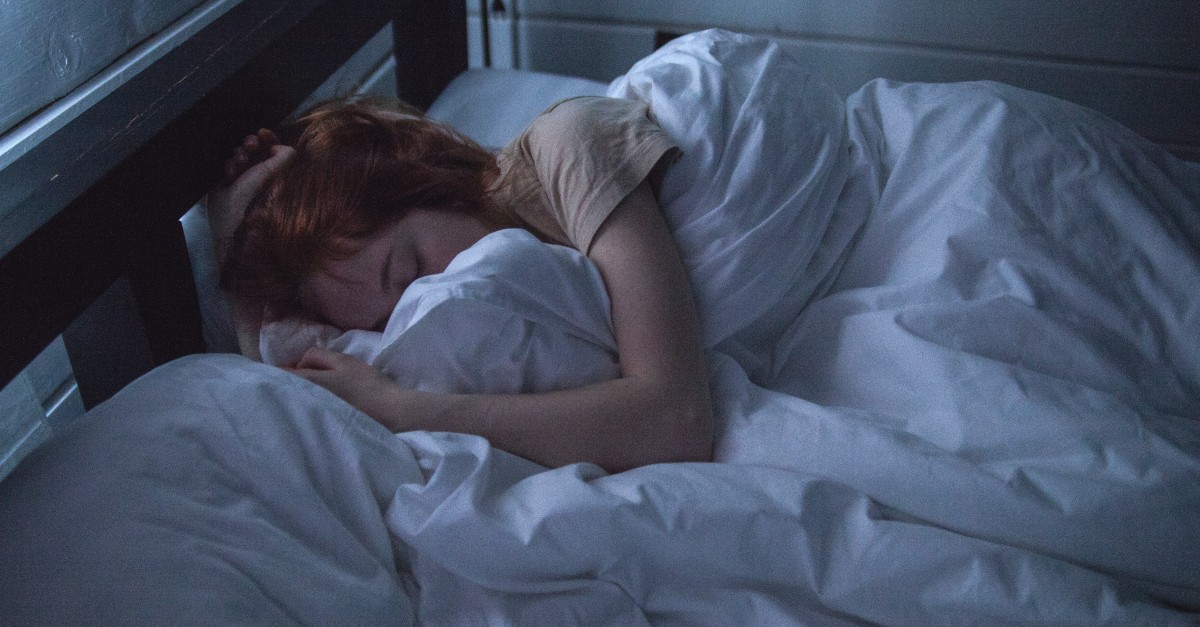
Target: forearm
column 660, row 409
column 247, row 318
column 256, row 159
column 247, row 322
column 617, row 424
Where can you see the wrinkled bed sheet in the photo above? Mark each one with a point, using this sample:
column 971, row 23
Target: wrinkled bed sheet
column 954, row 360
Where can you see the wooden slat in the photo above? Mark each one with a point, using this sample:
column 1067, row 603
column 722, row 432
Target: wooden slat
column 127, row 222
column 435, row 36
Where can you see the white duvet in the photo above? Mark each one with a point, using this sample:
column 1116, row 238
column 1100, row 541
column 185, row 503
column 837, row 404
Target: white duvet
column 953, row 334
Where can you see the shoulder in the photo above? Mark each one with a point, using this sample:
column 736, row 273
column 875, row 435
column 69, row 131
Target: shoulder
column 587, row 116
column 578, row 160
column 595, row 108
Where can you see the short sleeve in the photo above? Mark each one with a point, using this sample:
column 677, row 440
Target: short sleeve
column 589, row 153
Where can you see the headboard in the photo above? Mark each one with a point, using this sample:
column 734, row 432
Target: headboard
column 96, row 203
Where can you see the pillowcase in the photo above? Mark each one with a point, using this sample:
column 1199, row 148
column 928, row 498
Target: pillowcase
column 492, row 106
column 509, row 315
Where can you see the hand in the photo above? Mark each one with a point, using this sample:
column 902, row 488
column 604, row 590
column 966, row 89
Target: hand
column 258, row 157
column 254, row 149
column 355, row 381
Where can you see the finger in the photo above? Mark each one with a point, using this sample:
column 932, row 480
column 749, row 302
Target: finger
column 316, row 376
column 323, row 378
column 241, row 155
column 277, row 158
column 318, row 358
column 235, row 165
column 258, row 145
column 281, row 154
column 267, row 137
column 256, row 175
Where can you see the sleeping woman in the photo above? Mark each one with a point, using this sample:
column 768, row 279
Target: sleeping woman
column 335, row 223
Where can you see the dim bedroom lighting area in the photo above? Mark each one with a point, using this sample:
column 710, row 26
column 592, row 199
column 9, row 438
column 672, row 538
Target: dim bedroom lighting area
column 947, row 301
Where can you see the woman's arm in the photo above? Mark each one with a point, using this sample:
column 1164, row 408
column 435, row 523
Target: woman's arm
column 259, row 156
column 659, row 410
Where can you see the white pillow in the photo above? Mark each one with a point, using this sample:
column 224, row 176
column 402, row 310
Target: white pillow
column 509, row 315
column 492, row 106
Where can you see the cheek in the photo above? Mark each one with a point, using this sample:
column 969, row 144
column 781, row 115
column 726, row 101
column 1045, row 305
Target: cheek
column 435, row 257
column 348, row 308
column 382, row 306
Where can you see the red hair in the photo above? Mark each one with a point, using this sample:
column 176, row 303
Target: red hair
column 359, row 166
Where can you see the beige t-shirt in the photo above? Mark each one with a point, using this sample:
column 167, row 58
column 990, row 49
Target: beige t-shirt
column 574, row 164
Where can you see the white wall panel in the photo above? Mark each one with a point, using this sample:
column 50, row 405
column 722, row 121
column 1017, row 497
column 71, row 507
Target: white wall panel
column 596, row 51
column 1138, row 62
column 1119, row 31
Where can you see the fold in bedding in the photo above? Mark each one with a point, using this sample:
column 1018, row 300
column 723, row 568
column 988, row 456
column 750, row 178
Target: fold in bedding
column 246, row 495
column 952, row 340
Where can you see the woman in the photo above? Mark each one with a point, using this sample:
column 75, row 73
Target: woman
column 370, row 197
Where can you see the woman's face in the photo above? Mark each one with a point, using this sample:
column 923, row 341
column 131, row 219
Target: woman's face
column 360, row 291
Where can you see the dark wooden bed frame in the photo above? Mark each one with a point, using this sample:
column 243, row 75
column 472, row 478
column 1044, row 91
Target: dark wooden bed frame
column 118, row 177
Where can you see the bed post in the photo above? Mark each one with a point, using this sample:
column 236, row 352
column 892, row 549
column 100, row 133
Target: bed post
column 433, row 36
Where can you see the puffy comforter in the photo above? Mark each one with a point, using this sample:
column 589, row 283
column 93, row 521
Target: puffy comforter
column 954, row 336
